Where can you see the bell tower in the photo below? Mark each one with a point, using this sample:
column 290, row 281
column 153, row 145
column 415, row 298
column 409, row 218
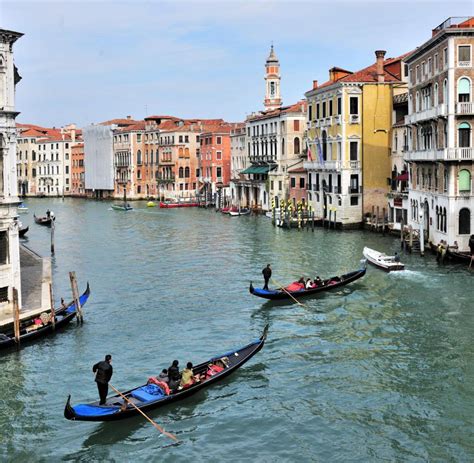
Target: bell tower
column 272, row 82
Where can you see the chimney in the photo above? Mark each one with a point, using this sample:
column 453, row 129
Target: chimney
column 331, row 75
column 380, row 55
column 129, row 117
column 315, row 84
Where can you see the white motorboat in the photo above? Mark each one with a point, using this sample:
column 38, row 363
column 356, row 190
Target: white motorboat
column 381, row 260
column 239, row 212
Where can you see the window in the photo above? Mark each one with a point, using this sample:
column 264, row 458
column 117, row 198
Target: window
column 186, row 172
column 139, row 189
column 218, row 140
column 181, row 172
column 465, row 221
column 301, row 182
column 339, row 105
column 354, row 105
column 139, row 157
column 436, row 95
column 218, row 172
column 464, row 55
column 4, row 294
column 3, row 247
column 324, row 108
column 139, row 137
column 310, row 112
column 317, row 111
column 293, row 182
column 435, row 63
column 464, row 90
column 67, row 145
column 354, row 200
column 139, row 174
column 296, row 145
column 280, row 185
column 464, row 180
column 445, row 57
column 67, row 169
column 354, row 155
column 464, row 135
column 219, row 155
column 330, row 107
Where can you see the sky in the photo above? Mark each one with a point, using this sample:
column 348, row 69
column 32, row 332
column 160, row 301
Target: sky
column 86, row 62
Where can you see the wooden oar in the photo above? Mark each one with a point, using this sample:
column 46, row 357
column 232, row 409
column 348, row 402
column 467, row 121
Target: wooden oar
column 156, row 425
column 289, row 294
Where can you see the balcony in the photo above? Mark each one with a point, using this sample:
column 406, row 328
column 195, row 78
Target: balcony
column 351, row 190
column 465, row 108
column 337, row 190
column 354, row 119
column 459, row 154
column 398, row 194
column 446, row 154
column 326, row 165
column 431, row 113
column 337, row 120
column 354, row 164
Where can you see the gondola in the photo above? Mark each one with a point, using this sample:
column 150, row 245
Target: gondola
column 459, row 257
column 22, row 231
column 147, row 398
column 122, row 207
column 239, row 212
column 44, row 220
column 29, row 330
column 325, row 285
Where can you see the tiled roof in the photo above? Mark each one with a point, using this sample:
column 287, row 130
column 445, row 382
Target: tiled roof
column 299, row 107
column 120, row 122
column 299, row 170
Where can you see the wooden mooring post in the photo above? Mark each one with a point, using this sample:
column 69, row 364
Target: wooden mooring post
column 75, row 296
column 16, row 316
column 53, row 313
column 52, row 236
column 402, row 238
column 383, row 221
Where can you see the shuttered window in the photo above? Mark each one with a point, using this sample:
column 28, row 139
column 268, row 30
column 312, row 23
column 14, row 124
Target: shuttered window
column 4, row 294
column 3, row 248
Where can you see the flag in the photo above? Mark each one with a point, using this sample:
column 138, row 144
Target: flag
column 320, row 151
column 310, row 155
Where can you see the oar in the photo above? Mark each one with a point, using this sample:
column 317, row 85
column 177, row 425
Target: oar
column 156, row 425
column 289, row 294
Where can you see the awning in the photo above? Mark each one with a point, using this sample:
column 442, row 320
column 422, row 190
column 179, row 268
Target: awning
column 256, row 170
column 403, row 177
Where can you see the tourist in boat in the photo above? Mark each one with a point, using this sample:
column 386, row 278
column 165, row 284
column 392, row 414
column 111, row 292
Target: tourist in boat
column 174, row 376
column 267, row 274
column 63, row 304
column 187, row 377
column 317, row 282
column 48, row 214
column 309, row 283
column 103, row 372
column 396, row 257
column 163, row 376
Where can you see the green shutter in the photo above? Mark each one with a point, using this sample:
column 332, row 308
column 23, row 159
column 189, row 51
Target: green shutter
column 464, row 180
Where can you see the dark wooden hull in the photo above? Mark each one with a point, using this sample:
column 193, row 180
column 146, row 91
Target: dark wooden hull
column 115, row 402
column 63, row 317
column 22, row 232
column 44, row 220
column 280, row 295
column 459, row 257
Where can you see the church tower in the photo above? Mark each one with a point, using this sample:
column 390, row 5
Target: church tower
column 272, row 82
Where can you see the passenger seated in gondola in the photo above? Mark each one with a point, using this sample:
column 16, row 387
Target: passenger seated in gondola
column 187, row 377
column 161, row 381
column 309, row 283
column 163, row 376
column 174, row 376
column 317, row 282
column 297, row 285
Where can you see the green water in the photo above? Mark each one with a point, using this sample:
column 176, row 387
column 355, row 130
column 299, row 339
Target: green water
column 381, row 370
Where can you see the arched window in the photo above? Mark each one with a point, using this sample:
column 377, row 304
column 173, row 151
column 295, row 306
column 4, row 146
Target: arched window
column 417, row 108
column 435, row 94
column 181, row 172
column 186, row 152
column 437, row 218
column 283, row 146
column 464, row 180
column 465, row 221
column 445, row 225
column 445, row 91
column 325, row 146
column 464, row 135
column 464, row 90
column 180, row 152
column 186, row 172
column 139, row 157
column 296, row 144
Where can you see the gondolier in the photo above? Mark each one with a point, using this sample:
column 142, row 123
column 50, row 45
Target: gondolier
column 103, row 372
column 267, row 274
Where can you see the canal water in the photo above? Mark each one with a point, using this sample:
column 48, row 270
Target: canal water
column 382, row 370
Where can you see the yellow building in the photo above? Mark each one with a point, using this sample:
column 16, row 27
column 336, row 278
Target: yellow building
column 349, row 140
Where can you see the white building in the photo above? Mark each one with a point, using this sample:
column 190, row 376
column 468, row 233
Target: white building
column 10, row 276
column 440, row 122
column 239, row 161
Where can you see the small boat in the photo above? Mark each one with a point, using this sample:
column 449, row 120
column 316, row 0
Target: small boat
column 381, row 260
column 238, row 212
column 172, row 204
column 150, row 204
column 22, row 231
column 325, row 285
column 122, row 207
column 22, row 209
column 31, row 330
column 45, row 220
column 149, row 396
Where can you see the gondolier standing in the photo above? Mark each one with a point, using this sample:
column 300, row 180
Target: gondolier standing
column 267, row 274
column 103, row 372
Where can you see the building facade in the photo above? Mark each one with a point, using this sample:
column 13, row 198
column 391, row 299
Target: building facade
column 239, row 161
column 77, row 170
column 349, row 139
column 440, row 144
column 10, row 274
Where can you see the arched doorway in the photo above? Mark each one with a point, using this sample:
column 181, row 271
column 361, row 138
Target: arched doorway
column 426, row 219
column 465, row 221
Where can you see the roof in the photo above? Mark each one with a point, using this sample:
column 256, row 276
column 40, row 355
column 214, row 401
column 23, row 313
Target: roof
column 136, row 126
column 119, row 122
column 272, row 58
column 299, row 170
column 299, row 107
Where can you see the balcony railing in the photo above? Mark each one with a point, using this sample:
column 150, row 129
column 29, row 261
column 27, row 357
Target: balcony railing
column 464, row 108
column 431, row 113
column 459, row 154
column 337, row 119
column 354, row 164
column 446, row 154
column 354, row 190
column 354, row 119
column 337, row 190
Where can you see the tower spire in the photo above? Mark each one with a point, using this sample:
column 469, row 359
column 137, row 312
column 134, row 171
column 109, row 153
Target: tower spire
column 272, row 81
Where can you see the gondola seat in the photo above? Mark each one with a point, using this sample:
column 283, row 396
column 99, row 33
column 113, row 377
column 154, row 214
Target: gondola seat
column 148, row 393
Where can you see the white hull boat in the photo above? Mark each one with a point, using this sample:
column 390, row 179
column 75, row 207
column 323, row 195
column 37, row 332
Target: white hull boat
column 381, row 260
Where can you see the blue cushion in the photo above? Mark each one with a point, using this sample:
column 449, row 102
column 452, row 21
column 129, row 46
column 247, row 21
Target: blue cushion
column 148, row 393
column 94, row 410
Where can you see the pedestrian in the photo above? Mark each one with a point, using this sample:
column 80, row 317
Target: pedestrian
column 267, row 274
column 103, row 372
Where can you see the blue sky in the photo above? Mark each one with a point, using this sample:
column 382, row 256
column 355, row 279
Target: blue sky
column 86, row 62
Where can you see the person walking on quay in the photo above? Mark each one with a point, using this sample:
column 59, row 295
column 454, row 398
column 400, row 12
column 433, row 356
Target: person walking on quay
column 267, row 274
column 103, row 372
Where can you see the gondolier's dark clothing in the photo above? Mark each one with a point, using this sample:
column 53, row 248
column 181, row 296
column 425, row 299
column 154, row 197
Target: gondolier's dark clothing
column 471, row 244
column 103, row 372
column 267, row 274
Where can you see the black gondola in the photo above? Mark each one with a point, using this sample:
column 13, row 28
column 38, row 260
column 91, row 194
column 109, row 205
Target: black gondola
column 22, row 231
column 145, row 398
column 44, row 220
column 459, row 257
column 28, row 330
column 325, row 285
